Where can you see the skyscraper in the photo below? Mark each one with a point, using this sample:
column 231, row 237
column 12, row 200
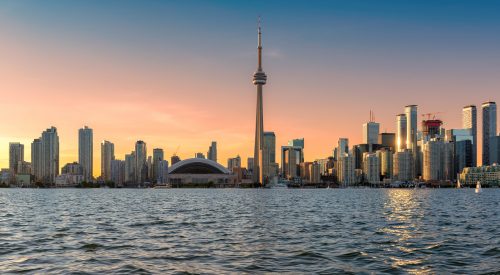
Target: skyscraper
column 158, row 157
column 212, row 151
column 411, row 135
column 259, row 79
column 268, row 154
column 371, row 130
column 387, row 140
column 130, row 168
column 107, row 156
column 16, row 154
column 342, row 147
column 400, row 132
column 141, row 167
column 469, row 121
column 50, row 155
column 85, row 152
column 489, row 128
column 36, row 159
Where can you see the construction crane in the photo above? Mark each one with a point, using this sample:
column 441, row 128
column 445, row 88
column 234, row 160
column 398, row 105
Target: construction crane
column 428, row 115
column 176, row 150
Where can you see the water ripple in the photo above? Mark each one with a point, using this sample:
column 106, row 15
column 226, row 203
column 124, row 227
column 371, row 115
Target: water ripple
column 348, row 231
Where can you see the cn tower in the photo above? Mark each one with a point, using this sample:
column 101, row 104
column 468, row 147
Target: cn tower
column 259, row 79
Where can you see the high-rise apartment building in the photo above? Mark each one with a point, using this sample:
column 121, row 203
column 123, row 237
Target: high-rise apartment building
column 291, row 157
column 268, row 154
column 86, row 152
column 346, row 170
column 36, row 159
column 437, row 160
column 469, row 121
column 158, row 157
column 130, row 168
column 371, row 168
column 16, row 154
column 489, row 128
column 212, row 151
column 411, row 135
column 400, row 132
column 403, row 165
column 107, row 156
column 141, row 166
column 50, row 155
column 117, row 172
column 233, row 163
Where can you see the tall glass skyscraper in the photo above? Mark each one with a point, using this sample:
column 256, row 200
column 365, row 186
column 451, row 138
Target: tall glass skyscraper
column 469, row 121
column 489, row 128
column 85, row 152
column 411, row 133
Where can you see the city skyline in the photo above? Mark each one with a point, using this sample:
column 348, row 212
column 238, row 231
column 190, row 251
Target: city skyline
column 147, row 104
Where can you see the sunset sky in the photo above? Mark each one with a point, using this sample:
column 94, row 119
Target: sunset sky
column 178, row 73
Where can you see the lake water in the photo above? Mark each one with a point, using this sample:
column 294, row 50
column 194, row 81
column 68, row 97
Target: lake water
column 106, row 231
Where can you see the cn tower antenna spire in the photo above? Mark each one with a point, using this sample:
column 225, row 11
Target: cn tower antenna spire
column 259, row 32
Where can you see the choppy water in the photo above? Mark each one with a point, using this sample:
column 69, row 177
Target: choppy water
column 249, row 231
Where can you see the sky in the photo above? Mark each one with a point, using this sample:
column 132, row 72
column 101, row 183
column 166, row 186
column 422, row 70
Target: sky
column 177, row 74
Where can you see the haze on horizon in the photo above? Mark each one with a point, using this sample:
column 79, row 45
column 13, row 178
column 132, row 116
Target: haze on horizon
column 179, row 72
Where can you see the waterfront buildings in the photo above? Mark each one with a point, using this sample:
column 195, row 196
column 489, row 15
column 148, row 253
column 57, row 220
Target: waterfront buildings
column 495, row 150
column 16, row 154
column 291, row 157
column 371, row 168
column 49, row 155
column 438, row 160
column 130, row 167
column 463, row 140
column 401, row 132
column 233, row 163
column 370, row 132
column 385, row 156
column 107, row 156
column 411, row 136
column 141, row 167
column 73, row 168
column 269, row 155
column 403, row 165
column 387, row 140
column 259, row 79
column 489, row 128
column 487, row 175
column 162, row 172
column 36, row 159
column 212, row 151
column 469, row 121
column 117, row 172
column 158, row 157
column 86, row 152
column 346, row 173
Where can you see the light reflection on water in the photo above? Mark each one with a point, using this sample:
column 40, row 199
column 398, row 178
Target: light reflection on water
column 249, row 231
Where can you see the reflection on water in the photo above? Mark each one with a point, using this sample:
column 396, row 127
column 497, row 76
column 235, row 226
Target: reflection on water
column 249, row 231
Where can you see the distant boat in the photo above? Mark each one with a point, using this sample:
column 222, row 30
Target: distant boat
column 478, row 187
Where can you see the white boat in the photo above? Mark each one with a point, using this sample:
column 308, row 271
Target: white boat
column 478, row 187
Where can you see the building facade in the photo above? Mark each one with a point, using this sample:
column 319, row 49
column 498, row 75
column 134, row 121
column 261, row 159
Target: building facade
column 107, row 156
column 489, row 128
column 469, row 121
column 86, row 152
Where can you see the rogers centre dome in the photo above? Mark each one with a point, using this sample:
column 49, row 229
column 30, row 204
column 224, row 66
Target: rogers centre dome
column 198, row 172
